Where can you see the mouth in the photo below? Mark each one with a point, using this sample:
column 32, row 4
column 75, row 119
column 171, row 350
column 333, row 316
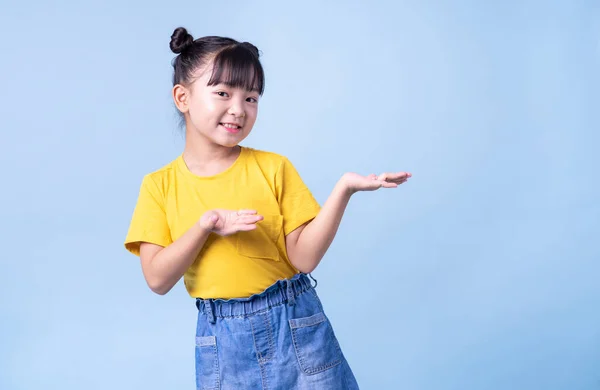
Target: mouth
column 231, row 127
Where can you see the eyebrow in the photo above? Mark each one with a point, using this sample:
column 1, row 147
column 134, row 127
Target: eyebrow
column 231, row 85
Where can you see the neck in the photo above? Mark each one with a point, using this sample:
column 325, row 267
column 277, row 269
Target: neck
column 201, row 151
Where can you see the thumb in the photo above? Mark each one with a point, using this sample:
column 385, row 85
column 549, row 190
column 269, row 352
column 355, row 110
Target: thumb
column 211, row 220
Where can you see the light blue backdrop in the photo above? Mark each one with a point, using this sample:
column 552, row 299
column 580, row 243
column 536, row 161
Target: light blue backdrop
column 481, row 273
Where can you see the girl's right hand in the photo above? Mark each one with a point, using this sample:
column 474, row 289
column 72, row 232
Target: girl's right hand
column 227, row 222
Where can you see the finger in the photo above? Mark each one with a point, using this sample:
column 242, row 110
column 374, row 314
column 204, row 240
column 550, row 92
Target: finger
column 249, row 219
column 245, row 212
column 398, row 179
column 209, row 222
column 378, row 184
column 389, row 176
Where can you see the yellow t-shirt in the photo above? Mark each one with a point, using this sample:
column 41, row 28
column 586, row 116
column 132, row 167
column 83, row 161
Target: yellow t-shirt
column 172, row 199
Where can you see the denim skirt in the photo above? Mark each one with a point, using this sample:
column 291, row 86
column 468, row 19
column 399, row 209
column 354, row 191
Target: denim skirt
column 279, row 339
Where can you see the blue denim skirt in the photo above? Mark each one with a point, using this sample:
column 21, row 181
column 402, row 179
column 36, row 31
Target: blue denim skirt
column 278, row 339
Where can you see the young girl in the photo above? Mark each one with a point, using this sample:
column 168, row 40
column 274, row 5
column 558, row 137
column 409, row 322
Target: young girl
column 243, row 230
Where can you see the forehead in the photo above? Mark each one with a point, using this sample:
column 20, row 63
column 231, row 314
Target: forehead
column 240, row 78
column 241, row 71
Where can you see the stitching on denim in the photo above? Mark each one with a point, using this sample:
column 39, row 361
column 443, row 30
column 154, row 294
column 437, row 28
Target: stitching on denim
column 295, row 342
column 217, row 368
column 269, row 329
column 213, row 341
column 303, row 289
column 319, row 317
column 316, row 296
column 263, row 375
column 258, row 355
column 303, row 365
column 217, row 371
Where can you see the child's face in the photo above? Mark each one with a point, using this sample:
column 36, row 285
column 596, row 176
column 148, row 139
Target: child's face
column 223, row 114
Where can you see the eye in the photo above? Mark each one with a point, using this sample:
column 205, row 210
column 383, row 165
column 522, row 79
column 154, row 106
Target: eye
column 222, row 94
column 252, row 100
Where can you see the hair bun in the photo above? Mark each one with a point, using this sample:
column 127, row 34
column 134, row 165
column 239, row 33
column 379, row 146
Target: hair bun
column 252, row 48
column 180, row 40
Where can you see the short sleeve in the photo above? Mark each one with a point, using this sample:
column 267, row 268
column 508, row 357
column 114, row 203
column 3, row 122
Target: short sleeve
column 296, row 202
column 149, row 221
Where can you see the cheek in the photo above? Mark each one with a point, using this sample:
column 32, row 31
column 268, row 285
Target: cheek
column 204, row 110
column 206, row 105
column 250, row 119
column 252, row 113
column 211, row 104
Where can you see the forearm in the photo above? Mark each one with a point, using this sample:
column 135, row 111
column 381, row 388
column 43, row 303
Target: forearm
column 317, row 236
column 168, row 265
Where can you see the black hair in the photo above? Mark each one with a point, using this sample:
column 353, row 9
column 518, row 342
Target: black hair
column 235, row 64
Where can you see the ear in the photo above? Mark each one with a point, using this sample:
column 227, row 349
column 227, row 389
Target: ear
column 181, row 98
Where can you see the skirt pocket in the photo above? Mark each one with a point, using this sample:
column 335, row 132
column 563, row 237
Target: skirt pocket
column 316, row 346
column 207, row 363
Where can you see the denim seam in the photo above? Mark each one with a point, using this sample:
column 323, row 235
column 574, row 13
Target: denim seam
column 263, row 375
column 258, row 355
column 215, row 367
column 269, row 337
column 316, row 296
column 316, row 321
column 261, row 360
column 314, row 370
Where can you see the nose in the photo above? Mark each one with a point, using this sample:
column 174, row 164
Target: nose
column 237, row 109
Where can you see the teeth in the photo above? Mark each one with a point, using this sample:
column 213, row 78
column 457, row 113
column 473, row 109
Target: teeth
column 230, row 126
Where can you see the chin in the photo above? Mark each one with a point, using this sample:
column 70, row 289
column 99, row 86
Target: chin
column 230, row 143
column 227, row 143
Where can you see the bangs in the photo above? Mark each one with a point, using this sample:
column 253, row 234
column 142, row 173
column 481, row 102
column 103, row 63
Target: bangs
column 238, row 67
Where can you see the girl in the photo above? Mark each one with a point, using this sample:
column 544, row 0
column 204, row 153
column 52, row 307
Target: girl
column 243, row 230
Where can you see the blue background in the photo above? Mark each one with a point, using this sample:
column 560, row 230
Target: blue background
column 482, row 272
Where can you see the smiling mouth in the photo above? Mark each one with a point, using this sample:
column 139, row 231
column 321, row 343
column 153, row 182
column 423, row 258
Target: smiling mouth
column 230, row 127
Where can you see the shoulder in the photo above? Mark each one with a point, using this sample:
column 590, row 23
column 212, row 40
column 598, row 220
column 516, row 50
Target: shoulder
column 266, row 156
column 159, row 179
column 277, row 166
column 267, row 159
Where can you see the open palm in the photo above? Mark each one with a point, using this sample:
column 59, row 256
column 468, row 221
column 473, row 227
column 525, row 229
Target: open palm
column 227, row 222
column 356, row 182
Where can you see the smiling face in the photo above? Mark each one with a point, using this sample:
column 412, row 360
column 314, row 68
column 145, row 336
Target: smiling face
column 222, row 114
column 220, row 102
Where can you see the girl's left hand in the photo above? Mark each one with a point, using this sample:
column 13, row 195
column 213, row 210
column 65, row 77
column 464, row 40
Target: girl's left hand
column 355, row 182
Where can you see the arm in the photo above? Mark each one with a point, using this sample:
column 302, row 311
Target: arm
column 307, row 245
column 164, row 266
